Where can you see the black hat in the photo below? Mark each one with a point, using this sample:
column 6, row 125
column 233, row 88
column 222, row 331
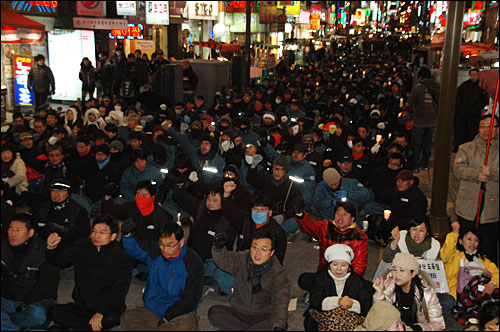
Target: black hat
column 61, row 184
column 345, row 157
column 299, row 147
column 182, row 160
column 104, row 148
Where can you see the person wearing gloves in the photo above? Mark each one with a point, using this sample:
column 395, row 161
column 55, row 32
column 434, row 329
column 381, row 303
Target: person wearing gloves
column 285, row 194
column 239, row 194
column 340, row 230
column 251, row 157
column 383, row 316
column 412, row 292
column 261, row 287
column 462, row 250
column 175, row 284
column 337, row 288
column 139, row 171
column 335, row 188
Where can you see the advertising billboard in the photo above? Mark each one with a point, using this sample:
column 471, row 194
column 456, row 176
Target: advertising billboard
column 22, row 95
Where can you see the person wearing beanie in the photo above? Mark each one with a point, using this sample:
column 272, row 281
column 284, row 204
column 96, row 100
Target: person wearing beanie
column 284, row 194
column 383, row 316
column 313, row 157
column 343, row 230
column 335, row 188
column 412, row 292
column 104, row 171
column 336, row 286
column 234, row 188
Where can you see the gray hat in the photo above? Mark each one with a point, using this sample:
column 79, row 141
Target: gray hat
column 281, row 161
column 117, row 145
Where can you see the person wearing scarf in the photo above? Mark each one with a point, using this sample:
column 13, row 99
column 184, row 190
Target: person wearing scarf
column 261, row 287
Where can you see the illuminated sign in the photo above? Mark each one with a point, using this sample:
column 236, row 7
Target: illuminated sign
column 473, row 18
column 292, row 7
column 361, row 16
column 132, row 31
column 478, row 6
column 305, row 17
column 22, row 93
column 127, row 8
column 35, row 7
column 242, row 4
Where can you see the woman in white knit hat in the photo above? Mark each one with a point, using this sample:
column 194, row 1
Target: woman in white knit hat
column 412, row 291
column 338, row 292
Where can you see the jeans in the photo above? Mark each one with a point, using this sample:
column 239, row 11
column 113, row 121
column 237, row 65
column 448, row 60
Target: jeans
column 224, row 279
column 422, row 141
column 290, row 225
column 34, row 314
column 446, row 300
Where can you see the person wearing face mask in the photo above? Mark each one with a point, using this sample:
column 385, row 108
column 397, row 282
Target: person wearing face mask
column 255, row 217
column 208, row 221
column 246, row 133
column 338, row 290
column 227, row 150
column 313, row 157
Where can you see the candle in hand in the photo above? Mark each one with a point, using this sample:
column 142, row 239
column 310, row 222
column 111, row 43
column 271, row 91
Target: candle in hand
column 387, row 214
column 178, row 219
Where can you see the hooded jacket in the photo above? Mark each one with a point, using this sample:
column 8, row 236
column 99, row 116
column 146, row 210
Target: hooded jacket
column 329, row 234
column 466, row 168
column 117, row 116
column 19, row 179
column 98, row 120
column 434, row 312
column 424, row 98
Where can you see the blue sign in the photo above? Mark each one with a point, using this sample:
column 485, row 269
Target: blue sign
column 22, row 94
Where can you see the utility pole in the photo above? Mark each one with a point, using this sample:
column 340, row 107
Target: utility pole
column 446, row 113
column 247, row 41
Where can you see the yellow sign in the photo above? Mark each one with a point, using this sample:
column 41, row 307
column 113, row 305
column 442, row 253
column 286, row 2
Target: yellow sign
column 292, row 7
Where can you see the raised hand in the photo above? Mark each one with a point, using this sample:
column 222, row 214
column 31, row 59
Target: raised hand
column 455, row 226
column 378, row 285
column 53, row 240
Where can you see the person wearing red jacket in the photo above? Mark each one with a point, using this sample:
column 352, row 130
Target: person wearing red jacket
column 328, row 232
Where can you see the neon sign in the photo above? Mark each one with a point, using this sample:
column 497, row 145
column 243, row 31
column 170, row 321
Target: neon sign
column 22, row 94
column 35, row 7
column 133, row 31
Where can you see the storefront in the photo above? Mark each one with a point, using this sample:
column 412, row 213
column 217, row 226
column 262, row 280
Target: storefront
column 202, row 16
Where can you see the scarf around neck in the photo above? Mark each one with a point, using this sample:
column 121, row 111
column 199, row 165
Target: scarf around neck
column 416, row 249
column 255, row 272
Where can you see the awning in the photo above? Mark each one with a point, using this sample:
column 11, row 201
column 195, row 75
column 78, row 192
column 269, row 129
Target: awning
column 17, row 28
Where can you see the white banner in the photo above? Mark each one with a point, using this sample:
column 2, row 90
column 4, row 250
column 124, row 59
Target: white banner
column 435, row 269
column 127, row 8
column 99, row 23
column 203, row 10
column 157, row 12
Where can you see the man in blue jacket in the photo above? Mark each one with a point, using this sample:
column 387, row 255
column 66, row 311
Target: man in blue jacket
column 336, row 188
column 175, row 284
column 137, row 172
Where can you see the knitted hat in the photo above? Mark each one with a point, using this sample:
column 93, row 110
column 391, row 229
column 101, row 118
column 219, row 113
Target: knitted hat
column 196, row 125
column 381, row 316
column 104, row 148
column 25, row 135
column 307, row 139
column 225, row 118
column 375, row 113
column 281, row 161
column 331, row 176
column 117, row 145
column 339, row 252
column 406, row 261
column 269, row 115
column 405, row 175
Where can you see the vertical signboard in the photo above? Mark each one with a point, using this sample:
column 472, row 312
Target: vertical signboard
column 22, row 94
column 157, row 12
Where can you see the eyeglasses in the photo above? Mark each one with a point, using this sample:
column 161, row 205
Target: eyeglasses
column 167, row 245
column 487, row 127
column 263, row 250
column 100, row 233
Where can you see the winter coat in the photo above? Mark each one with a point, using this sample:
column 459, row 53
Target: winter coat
column 324, row 288
column 206, row 224
column 175, row 285
column 95, row 184
column 466, row 168
column 451, row 257
column 117, row 116
column 329, row 234
column 98, row 120
column 132, row 175
column 148, row 226
column 141, row 70
column 383, row 182
column 435, row 322
column 430, row 255
column 87, row 76
column 26, row 275
column 275, row 293
column 471, row 99
column 35, row 160
column 324, row 198
column 42, row 79
column 102, row 275
column 424, row 98
column 19, row 179
column 407, row 206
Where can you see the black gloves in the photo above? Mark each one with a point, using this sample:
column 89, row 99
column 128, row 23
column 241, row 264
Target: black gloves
column 220, row 240
column 112, row 189
column 128, row 226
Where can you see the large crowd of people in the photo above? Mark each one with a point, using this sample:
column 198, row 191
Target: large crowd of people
column 109, row 186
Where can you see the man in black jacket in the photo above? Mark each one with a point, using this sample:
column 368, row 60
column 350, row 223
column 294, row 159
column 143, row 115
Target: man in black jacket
column 42, row 79
column 103, row 272
column 29, row 281
column 35, row 160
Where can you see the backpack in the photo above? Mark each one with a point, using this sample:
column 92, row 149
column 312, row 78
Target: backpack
column 127, row 89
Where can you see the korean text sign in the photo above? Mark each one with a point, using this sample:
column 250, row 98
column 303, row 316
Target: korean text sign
column 22, row 93
column 435, row 269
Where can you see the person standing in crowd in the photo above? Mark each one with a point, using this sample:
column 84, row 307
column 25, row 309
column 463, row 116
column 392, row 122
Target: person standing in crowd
column 424, row 100
column 471, row 100
column 103, row 272
column 29, row 281
column 189, row 79
column 190, row 54
column 155, row 79
column 470, row 170
column 261, row 287
column 41, row 81
column 87, row 76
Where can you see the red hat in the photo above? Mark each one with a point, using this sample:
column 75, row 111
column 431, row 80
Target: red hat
column 405, row 175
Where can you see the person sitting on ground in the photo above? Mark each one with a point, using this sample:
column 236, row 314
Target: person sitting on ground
column 463, row 249
column 337, row 289
column 383, row 316
column 103, row 271
column 137, row 172
column 13, row 172
column 412, row 291
column 175, row 284
column 488, row 319
column 29, row 281
column 261, row 290
column 340, row 230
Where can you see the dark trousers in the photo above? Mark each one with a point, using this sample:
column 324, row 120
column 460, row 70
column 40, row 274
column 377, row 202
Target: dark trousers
column 70, row 315
column 488, row 237
column 40, row 98
column 229, row 319
column 465, row 130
